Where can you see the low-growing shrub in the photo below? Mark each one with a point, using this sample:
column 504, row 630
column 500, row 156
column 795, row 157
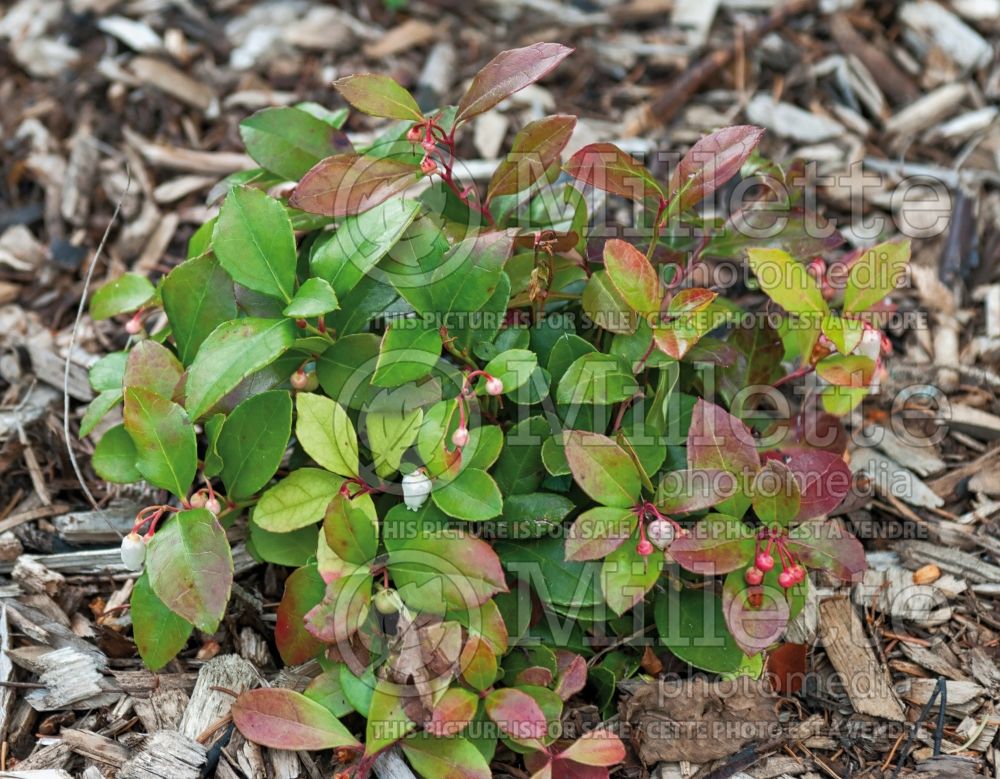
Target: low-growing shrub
column 493, row 438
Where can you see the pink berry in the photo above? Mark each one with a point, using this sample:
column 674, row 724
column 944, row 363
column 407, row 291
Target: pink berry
column 460, row 437
column 786, row 579
column 764, row 561
column 300, row 379
column 644, row 547
column 798, row 572
column 754, row 576
column 212, row 504
column 494, row 386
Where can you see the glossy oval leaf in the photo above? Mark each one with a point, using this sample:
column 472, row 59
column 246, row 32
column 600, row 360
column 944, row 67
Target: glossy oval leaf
column 535, row 147
column 326, row 433
column 285, row 719
column 606, row 167
column 159, row 634
column 125, row 294
column 633, row 276
column 473, row 496
column 378, row 95
column 602, row 469
column 717, row 544
column 348, row 184
column 288, row 141
column 197, row 297
column 251, row 449
column 166, row 450
column 298, row 500
column 445, row 758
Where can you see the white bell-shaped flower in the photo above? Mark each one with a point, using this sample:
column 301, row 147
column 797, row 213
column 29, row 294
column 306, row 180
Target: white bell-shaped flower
column 416, row 488
column 133, row 551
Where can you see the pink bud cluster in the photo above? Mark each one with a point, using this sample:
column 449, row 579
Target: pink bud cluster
column 792, row 572
column 660, row 531
column 494, row 387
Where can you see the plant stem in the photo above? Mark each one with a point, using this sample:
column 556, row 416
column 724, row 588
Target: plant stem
column 798, row 373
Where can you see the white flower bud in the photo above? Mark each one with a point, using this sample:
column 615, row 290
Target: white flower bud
column 212, row 504
column 133, row 551
column 660, row 533
column 416, row 488
column 460, row 437
column 494, row 386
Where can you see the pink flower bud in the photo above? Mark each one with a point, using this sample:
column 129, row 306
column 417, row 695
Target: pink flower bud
column 212, row 504
column 494, row 386
column 460, row 437
column 428, row 166
column 300, row 379
column 134, row 325
column 753, row 576
column 198, row 500
column 764, row 561
column 644, row 547
column 786, row 579
column 660, row 533
column 133, row 551
column 415, row 133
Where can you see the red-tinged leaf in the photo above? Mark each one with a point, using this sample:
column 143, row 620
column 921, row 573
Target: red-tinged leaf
column 690, row 301
column 824, row 480
column 598, row 532
column 509, row 72
column 536, row 147
column 387, row 718
column 626, row 575
column 569, row 769
column 304, row 589
column 478, row 663
column 284, row 719
column 535, row 675
column 190, row 568
column 688, row 319
column 634, row 277
column 710, row 163
column 847, row 370
column 718, row 440
column 775, row 494
column 787, row 283
column 453, row 713
column 681, row 492
column 571, row 674
column 378, row 95
column 825, row 544
column 153, row 367
column 348, row 184
column 786, row 667
column 845, row 333
column 344, row 607
column 606, row 167
column 599, row 747
column 755, row 616
column 602, row 469
column 518, row 715
column 716, row 544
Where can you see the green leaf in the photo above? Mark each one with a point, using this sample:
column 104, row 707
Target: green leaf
column 602, row 469
column 532, row 515
column 298, row 500
column 387, row 720
column 847, row 370
column 115, row 457
column 292, row 549
column 626, row 575
column 254, row 242
column 390, row 434
column 845, row 333
column 445, row 569
column 289, row 141
column 600, row 379
column 345, row 369
column 251, row 451
column 153, row 367
column 350, row 532
column 197, row 297
column 513, row 367
column 378, row 95
column 360, row 242
column 326, row 433
column 408, row 352
column 190, row 567
column 605, row 307
column 787, row 283
column 633, row 276
column 326, row 689
column 691, row 625
column 108, row 372
column 344, row 608
column 520, row 467
column 232, row 352
column 97, row 410
column 284, row 719
column 314, row 298
column 874, row 275
column 775, row 494
column 167, row 453
column 445, row 758
column 159, row 634
column 472, row 495
column 125, row 294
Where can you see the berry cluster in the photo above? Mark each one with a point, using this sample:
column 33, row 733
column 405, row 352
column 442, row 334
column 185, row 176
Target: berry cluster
column 660, row 531
column 494, row 387
column 791, row 572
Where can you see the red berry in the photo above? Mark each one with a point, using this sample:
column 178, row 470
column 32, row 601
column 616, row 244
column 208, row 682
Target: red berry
column 754, row 576
column 798, row 572
column 764, row 561
column 786, row 579
column 644, row 547
column 301, row 324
